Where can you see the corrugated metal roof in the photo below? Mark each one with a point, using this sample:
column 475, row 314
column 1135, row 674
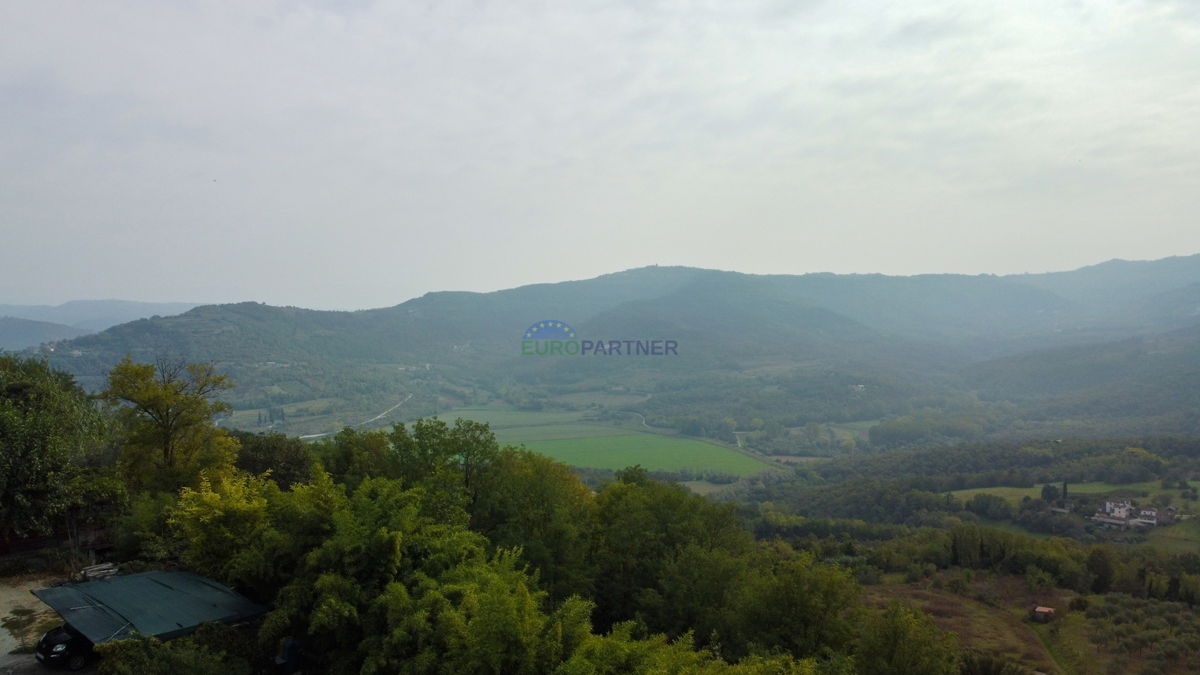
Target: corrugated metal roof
column 162, row 604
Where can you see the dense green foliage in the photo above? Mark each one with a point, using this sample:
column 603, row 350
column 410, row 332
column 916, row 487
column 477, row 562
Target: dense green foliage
column 214, row 649
column 48, row 431
column 166, row 412
column 379, row 577
column 428, row 548
column 1117, row 460
column 288, row 459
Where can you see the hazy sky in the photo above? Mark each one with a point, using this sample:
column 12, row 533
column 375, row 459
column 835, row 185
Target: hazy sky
column 356, row 154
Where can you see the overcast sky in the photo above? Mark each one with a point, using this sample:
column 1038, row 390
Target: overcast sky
column 357, row 154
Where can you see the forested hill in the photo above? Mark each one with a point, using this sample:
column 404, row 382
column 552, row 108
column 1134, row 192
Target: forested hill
column 24, row 326
column 21, row 333
column 982, row 315
column 94, row 315
column 905, row 346
column 743, row 313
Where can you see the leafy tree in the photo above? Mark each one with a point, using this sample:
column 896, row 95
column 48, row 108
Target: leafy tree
column 478, row 617
column 1038, row 578
column 641, row 525
column 47, row 424
column 245, row 531
column 392, row 589
column 95, row 497
column 902, row 640
column 432, row 451
column 168, row 408
column 990, row 506
column 468, row 448
column 218, row 522
column 800, row 606
column 288, row 458
column 533, row 503
column 1101, row 564
column 619, row 652
column 698, row 592
column 1050, row 493
column 979, row 663
column 145, row 532
column 352, row 456
column 149, row 656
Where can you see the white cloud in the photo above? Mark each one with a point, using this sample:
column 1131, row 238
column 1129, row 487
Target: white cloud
column 366, row 152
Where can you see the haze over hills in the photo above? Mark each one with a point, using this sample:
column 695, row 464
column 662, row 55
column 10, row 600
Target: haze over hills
column 31, row 325
column 1118, row 283
column 21, row 333
column 95, row 315
column 994, row 355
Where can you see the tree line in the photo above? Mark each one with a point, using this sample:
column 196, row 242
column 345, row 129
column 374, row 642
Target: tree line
column 426, row 548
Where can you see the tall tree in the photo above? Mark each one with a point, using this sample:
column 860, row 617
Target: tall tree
column 800, row 606
column 46, row 424
column 538, row 505
column 641, row 525
column 168, row 409
column 902, row 640
column 288, row 458
column 468, row 449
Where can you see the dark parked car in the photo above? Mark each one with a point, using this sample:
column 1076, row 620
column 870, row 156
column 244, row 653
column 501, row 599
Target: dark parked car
column 65, row 646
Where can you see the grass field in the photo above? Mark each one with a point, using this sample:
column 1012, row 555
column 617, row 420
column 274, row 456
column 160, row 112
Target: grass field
column 652, row 451
column 554, row 432
column 1183, row 537
column 1015, row 495
column 507, row 417
column 567, row 437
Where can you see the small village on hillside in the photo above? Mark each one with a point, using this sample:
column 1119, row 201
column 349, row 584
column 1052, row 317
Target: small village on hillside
column 1123, row 514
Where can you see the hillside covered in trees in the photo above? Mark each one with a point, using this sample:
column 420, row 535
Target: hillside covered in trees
column 426, row 548
column 1106, row 350
column 429, row 547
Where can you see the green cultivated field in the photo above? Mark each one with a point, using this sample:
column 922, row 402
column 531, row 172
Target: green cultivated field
column 652, row 451
column 1181, row 537
column 1014, row 494
column 506, row 417
column 556, row 432
column 568, row 438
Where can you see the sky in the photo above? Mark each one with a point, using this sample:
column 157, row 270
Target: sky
column 346, row 154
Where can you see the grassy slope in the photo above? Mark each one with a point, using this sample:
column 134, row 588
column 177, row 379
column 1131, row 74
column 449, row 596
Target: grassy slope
column 1001, row 625
column 995, row 629
column 555, row 432
column 1014, row 495
column 568, row 438
column 652, row 451
column 1182, row 537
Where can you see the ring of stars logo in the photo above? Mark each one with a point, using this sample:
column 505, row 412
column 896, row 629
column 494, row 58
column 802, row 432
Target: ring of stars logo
column 550, row 330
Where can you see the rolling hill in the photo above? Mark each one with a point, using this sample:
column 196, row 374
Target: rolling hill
column 794, row 349
column 16, row 334
column 95, row 315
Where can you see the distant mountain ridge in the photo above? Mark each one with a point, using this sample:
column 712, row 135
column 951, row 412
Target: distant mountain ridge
column 95, row 315
column 1033, row 338
column 1117, row 283
column 16, row 334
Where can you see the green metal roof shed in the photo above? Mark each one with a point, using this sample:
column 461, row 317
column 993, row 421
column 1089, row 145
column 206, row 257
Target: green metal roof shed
column 165, row 605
